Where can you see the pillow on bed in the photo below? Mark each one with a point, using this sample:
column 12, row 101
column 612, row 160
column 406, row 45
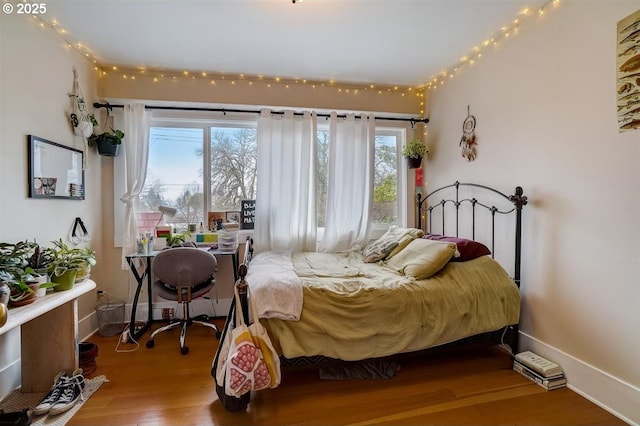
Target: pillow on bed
column 394, row 240
column 404, row 237
column 422, row 258
column 468, row 249
column 380, row 248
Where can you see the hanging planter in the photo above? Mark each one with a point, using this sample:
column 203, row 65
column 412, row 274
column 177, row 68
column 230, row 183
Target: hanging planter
column 82, row 120
column 413, row 151
column 108, row 142
column 414, row 162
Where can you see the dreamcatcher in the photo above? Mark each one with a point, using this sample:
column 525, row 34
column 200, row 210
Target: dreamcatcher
column 468, row 141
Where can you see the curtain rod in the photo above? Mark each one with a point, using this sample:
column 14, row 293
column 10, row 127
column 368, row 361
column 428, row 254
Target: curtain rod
column 226, row 110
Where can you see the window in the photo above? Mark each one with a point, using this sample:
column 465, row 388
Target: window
column 197, row 166
column 386, row 206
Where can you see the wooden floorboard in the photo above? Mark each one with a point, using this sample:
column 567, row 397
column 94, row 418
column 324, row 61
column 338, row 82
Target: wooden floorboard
column 159, row 386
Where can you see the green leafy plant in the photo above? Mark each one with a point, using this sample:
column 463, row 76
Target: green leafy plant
column 174, row 240
column 414, row 149
column 114, row 137
column 16, row 269
column 65, row 258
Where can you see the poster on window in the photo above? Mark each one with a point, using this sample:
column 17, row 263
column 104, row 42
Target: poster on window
column 628, row 72
column 248, row 214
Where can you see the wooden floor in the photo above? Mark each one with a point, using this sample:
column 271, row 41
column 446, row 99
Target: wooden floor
column 161, row 387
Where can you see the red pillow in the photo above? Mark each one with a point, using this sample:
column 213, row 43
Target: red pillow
column 468, row 249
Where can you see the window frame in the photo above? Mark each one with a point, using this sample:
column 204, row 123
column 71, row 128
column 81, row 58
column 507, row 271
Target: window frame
column 187, row 119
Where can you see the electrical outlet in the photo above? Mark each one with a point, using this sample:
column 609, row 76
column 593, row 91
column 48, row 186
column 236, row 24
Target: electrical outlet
column 125, row 336
column 167, row 313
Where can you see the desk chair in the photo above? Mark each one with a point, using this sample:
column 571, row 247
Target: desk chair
column 183, row 274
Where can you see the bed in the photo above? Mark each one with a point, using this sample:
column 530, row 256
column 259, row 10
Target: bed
column 384, row 301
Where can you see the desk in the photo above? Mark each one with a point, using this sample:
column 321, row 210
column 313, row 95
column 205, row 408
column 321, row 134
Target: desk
column 146, row 273
column 48, row 336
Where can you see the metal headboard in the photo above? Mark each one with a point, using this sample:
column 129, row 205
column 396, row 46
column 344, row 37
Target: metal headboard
column 517, row 199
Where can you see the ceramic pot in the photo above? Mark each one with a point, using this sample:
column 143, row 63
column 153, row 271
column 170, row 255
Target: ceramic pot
column 41, row 279
column 107, row 149
column 414, row 163
column 21, row 298
column 4, row 314
column 64, row 281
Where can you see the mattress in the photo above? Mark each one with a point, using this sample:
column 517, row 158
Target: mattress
column 353, row 310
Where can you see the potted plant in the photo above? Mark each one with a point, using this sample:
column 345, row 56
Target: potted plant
column 17, row 278
column 65, row 263
column 175, row 240
column 414, row 150
column 108, row 142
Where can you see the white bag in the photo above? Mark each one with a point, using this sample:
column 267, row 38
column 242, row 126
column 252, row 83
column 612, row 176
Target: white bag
column 80, row 118
column 252, row 362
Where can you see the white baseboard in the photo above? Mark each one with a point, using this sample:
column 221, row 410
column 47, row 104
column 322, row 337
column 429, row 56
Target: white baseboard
column 609, row 392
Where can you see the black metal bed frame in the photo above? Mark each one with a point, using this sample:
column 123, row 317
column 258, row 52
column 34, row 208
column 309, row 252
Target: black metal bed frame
column 517, row 199
column 510, row 332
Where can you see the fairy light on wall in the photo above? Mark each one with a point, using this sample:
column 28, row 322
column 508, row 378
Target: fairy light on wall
column 476, row 53
column 234, row 80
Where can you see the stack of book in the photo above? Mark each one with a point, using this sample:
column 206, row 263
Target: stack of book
column 539, row 370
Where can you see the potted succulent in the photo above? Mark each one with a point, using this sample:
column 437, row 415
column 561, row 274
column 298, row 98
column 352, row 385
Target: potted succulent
column 65, row 263
column 108, row 142
column 414, row 150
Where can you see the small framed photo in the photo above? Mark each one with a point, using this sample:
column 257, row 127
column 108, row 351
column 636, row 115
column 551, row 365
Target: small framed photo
column 233, row 217
column 214, row 218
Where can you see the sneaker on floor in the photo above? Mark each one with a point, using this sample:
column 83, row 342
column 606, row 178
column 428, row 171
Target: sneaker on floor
column 71, row 393
column 54, row 393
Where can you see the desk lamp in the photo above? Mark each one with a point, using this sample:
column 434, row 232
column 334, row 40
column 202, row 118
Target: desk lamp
column 166, row 210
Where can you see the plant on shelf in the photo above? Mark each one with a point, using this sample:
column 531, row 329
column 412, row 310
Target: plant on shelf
column 21, row 280
column 108, row 142
column 175, row 240
column 66, row 262
column 414, row 150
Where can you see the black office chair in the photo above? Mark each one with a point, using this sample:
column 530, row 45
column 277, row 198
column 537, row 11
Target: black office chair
column 183, row 274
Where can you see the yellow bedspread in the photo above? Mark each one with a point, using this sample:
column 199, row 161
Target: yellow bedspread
column 354, row 310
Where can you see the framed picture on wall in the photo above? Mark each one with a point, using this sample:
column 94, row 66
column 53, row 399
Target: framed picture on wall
column 233, row 217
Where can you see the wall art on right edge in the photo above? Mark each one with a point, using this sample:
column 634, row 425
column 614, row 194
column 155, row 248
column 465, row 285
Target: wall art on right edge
column 628, row 72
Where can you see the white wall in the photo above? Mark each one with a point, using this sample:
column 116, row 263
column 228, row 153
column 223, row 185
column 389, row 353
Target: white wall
column 36, row 74
column 545, row 104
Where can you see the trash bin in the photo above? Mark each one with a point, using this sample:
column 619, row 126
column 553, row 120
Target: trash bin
column 110, row 318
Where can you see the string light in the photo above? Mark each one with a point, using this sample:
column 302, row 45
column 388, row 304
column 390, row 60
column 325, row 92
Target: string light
column 158, row 76
column 476, row 53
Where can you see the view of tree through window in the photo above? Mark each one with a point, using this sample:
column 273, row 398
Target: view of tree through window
column 234, row 154
column 181, row 166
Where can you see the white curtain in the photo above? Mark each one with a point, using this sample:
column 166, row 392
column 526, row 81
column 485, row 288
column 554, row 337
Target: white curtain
column 136, row 152
column 350, row 182
column 286, row 193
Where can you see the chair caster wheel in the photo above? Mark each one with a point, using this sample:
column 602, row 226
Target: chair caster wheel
column 184, row 350
column 150, row 343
